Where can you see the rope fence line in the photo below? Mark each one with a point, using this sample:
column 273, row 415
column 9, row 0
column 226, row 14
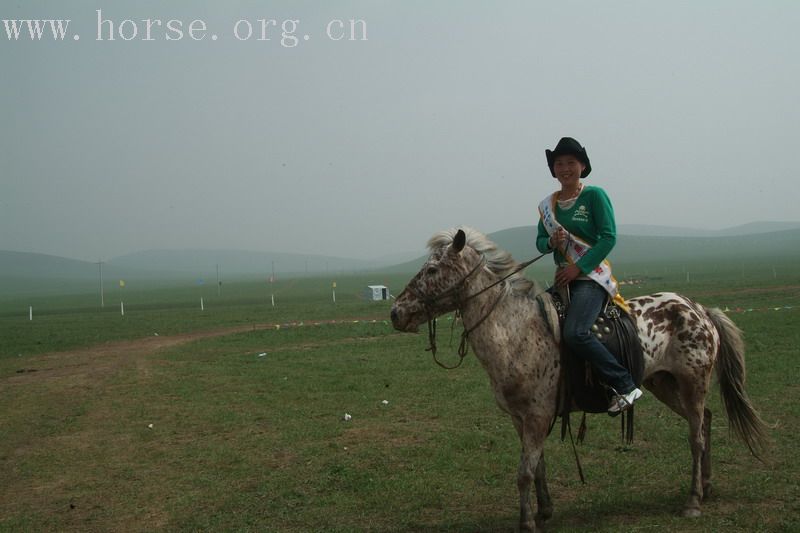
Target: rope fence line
column 303, row 323
column 758, row 309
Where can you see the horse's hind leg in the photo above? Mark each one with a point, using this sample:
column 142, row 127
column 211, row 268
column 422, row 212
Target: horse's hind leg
column 697, row 445
column 687, row 400
column 524, row 479
column 707, row 454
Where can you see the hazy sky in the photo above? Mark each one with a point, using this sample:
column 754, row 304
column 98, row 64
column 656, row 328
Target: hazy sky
column 689, row 112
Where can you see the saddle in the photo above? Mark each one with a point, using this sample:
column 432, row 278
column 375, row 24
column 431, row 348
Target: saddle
column 580, row 387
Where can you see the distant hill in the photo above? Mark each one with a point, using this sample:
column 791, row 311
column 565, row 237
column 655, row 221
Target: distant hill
column 639, row 248
column 674, row 231
column 25, row 273
column 754, row 228
column 32, row 265
column 32, row 273
column 635, row 244
column 24, row 264
column 28, row 269
column 785, row 244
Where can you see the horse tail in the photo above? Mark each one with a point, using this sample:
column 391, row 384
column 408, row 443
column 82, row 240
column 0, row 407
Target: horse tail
column 744, row 419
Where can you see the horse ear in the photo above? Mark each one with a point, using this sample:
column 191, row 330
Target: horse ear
column 459, row 241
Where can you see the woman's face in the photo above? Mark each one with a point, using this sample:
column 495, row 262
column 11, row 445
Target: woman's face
column 568, row 169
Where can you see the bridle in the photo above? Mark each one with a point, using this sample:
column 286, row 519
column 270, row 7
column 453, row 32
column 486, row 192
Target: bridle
column 429, row 301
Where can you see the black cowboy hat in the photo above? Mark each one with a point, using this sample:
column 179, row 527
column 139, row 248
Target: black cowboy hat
column 568, row 145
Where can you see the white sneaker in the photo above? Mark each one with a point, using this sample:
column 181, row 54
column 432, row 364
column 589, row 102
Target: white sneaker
column 622, row 402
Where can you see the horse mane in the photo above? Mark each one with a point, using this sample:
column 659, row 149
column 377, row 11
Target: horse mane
column 498, row 261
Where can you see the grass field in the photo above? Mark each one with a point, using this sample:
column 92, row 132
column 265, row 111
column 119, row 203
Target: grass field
column 106, row 426
column 72, row 320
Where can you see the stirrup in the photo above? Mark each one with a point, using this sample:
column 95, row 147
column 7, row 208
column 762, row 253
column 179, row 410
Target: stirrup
column 623, row 402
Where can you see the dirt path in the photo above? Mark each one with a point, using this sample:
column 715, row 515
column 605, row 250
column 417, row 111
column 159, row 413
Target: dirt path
column 97, row 361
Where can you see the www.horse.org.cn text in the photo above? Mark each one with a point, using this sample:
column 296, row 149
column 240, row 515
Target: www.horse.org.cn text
column 283, row 32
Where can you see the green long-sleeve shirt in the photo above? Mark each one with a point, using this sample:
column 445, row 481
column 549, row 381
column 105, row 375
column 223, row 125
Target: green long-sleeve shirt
column 591, row 218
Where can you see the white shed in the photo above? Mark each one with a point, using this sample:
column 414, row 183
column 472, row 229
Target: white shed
column 377, row 292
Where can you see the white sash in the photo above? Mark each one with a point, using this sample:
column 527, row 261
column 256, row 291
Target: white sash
column 577, row 248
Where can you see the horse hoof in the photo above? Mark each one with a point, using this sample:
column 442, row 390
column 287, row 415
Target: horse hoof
column 691, row 513
column 707, row 492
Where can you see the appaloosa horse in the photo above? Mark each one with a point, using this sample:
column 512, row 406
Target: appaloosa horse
column 682, row 341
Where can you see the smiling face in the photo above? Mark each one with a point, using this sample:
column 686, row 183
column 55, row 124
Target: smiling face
column 568, row 169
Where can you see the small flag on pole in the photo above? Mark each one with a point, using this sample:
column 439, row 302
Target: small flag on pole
column 122, row 283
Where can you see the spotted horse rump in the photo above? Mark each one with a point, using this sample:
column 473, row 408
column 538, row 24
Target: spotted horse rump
column 683, row 343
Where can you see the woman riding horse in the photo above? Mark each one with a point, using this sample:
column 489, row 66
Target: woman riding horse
column 506, row 320
column 577, row 224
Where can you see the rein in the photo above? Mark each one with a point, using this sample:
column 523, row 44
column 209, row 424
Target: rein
column 429, row 301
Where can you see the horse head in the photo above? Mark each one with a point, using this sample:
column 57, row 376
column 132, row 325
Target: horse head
column 439, row 285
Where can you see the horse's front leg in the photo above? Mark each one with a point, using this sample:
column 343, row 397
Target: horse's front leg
column 532, row 438
column 524, row 479
column 544, row 505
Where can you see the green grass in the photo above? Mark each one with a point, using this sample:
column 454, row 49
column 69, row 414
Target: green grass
column 63, row 322
column 242, row 442
column 71, row 320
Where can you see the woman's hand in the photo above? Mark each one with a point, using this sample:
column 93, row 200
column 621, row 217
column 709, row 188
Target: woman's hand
column 558, row 239
column 567, row 274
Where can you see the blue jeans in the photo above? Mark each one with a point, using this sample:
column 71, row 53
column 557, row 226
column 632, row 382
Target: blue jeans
column 586, row 301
